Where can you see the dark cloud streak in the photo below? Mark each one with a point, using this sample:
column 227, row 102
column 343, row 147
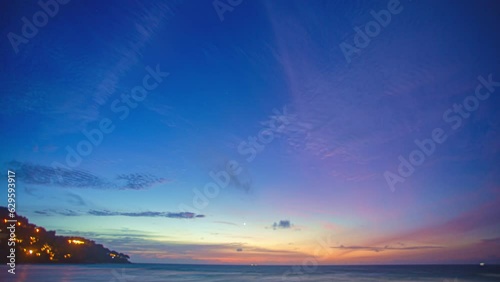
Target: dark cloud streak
column 74, row 178
column 386, row 248
column 282, row 224
column 178, row 215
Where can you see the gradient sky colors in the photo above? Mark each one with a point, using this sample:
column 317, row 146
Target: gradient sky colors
column 317, row 189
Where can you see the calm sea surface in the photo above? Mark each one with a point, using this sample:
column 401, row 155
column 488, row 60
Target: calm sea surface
column 220, row 273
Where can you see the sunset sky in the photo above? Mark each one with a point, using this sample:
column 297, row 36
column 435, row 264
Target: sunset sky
column 264, row 98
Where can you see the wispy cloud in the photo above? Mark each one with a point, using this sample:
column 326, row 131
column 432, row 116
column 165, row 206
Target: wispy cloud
column 65, row 212
column 75, row 199
column 42, row 212
column 475, row 219
column 241, row 181
column 495, row 241
column 75, row 178
column 178, row 215
column 385, row 248
column 226, row 223
column 112, row 233
column 148, row 22
column 138, row 181
column 349, row 124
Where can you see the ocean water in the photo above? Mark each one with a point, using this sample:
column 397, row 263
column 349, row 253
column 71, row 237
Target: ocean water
column 225, row 273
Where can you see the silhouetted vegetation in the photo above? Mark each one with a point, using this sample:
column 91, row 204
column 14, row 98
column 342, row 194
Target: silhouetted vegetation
column 34, row 244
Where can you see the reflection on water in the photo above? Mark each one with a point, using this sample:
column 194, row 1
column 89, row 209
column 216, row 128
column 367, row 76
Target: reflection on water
column 220, row 273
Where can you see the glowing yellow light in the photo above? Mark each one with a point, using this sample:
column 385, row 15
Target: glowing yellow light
column 31, row 252
column 78, row 242
column 37, row 230
column 69, row 241
column 19, row 223
column 5, row 220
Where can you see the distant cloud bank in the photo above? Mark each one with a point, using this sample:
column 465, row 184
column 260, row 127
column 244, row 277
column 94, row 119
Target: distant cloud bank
column 179, row 215
column 282, row 224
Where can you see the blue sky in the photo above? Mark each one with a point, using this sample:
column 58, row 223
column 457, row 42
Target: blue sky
column 340, row 124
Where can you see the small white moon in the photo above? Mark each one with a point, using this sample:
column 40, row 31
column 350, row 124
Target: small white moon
column 244, row 223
